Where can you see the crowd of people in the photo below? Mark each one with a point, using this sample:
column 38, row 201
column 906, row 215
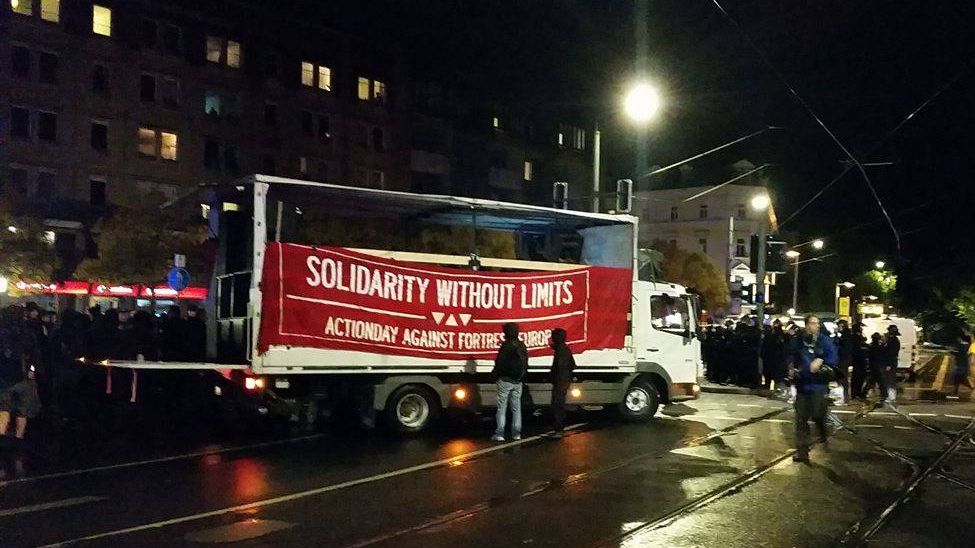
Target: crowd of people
column 731, row 355
column 43, row 354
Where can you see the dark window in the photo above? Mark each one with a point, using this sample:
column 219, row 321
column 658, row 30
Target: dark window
column 97, row 193
column 19, row 122
column 212, row 103
column 268, row 166
column 324, row 128
column 18, row 181
column 271, row 66
column 147, row 88
column 377, row 139
column 99, row 136
column 307, row 123
column 230, row 159
column 20, row 61
column 172, row 40
column 702, row 212
column 47, row 126
column 48, row 68
column 740, row 249
column 99, row 80
column 673, row 213
column 148, row 33
column 270, row 114
column 46, row 190
column 170, row 92
column 211, row 154
column 323, row 172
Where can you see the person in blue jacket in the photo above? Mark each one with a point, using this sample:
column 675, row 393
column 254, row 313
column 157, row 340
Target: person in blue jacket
column 811, row 353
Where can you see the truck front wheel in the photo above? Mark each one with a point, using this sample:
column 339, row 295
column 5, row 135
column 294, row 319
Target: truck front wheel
column 412, row 409
column 640, row 402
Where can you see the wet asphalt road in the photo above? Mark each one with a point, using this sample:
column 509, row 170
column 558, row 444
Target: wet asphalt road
column 713, row 472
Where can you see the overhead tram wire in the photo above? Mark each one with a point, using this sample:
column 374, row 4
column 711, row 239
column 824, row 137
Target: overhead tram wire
column 883, row 139
column 816, row 117
column 713, row 150
column 728, row 182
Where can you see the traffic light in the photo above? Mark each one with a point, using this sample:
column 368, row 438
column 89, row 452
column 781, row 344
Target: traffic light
column 624, row 195
column 774, row 255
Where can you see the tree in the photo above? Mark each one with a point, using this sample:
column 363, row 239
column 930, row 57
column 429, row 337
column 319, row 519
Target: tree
column 136, row 246
column 24, row 252
column 696, row 272
column 963, row 305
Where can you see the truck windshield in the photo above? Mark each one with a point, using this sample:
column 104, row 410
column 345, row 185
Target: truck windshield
column 670, row 314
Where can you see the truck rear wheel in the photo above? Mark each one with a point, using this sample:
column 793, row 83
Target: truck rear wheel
column 412, row 409
column 640, row 401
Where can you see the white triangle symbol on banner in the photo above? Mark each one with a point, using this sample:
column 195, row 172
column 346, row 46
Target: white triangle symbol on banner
column 465, row 318
column 437, row 317
column 451, row 320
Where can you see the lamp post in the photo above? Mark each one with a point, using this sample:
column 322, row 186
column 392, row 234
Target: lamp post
column 794, row 255
column 880, row 265
column 761, row 203
column 640, row 104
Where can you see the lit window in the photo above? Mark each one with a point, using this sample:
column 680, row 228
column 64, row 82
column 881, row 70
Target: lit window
column 49, row 237
column 496, row 122
column 50, row 10
column 205, row 211
column 101, row 20
column 233, row 54
column 363, row 89
column 22, row 7
column 378, row 90
column 561, row 139
column 230, row 206
column 214, row 49
column 528, row 170
column 168, row 147
column 307, row 74
column 324, row 78
column 147, row 142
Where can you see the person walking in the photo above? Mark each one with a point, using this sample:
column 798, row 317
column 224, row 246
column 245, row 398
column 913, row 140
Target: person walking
column 510, row 367
column 812, row 358
column 844, row 345
column 562, row 366
column 859, row 360
column 964, row 361
column 18, row 386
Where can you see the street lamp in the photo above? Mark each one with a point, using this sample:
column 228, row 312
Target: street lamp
column 794, row 255
column 640, row 104
column 818, row 244
column 761, row 202
column 12, row 229
column 880, row 265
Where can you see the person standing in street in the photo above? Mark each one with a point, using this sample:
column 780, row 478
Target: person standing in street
column 893, row 352
column 964, row 361
column 844, row 345
column 877, row 356
column 812, row 356
column 510, row 367
column 562, row 366
column 859, row 377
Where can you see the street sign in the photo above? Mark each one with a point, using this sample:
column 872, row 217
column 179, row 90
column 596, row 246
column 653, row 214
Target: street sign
column 178, row 279
column 179, row 261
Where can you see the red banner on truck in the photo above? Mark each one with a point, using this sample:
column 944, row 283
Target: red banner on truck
column 335, row 298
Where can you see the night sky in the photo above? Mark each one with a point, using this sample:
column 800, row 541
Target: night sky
column 862, row 66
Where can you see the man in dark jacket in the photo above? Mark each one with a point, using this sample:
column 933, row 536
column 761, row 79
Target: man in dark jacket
column 812, row 352
column 510, row 367
column 859, row 359
column 844, row 345
column 562, row 366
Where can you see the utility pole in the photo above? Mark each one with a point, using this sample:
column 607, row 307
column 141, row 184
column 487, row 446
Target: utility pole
column 760, row 286
column 795, row 285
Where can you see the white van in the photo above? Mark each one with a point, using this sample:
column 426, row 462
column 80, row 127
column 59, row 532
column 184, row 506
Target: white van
column 907, row 357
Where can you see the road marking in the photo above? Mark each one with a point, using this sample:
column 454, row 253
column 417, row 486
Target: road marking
column 843, row 412
column 868, row 426
column 939, row 380
column 966, row 417
column 922, row 414
column 787, row 421
column 748, row 405
column 304, row 494
column 74, row 501
column 899, row 427
column 884, row 413
column 68, row 473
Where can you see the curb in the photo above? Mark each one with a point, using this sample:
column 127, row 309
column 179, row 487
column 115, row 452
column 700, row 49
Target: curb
column 731, row 389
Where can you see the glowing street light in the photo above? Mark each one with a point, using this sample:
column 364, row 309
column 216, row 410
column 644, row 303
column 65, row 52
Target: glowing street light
column 792, row 254
column 12, row 229
column 641, row 102
column 760, row 202
column 818, row 244
column 880, row 265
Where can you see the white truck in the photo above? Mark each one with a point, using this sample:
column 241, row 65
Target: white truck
column 317, row 288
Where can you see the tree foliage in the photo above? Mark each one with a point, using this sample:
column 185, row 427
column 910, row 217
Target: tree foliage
column 695, row 271
column 24, row 253
column 963, row 305
column 136, row 246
